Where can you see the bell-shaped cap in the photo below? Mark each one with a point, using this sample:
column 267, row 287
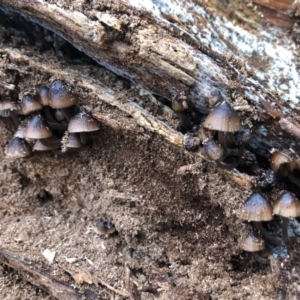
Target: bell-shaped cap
column 287, row 205
column 82, row 122
column 37, row 128
column 61, row 95
column 30, row 104
column 17, row 148
column 43, row 96
column 256, row 208
column 223, row 118
column 74, row 140
column 251, row 242
column 105, row 227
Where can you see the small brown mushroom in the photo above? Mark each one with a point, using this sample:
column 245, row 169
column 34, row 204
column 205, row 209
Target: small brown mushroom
column 223, row 118
column 37, row 128
column 106, row 228
column 283, row 164
column 62, row 97
column 251, row 242
column 287, row 206
column 257, row 209
column 214, row 151
column 82, row 122
column 18, row 148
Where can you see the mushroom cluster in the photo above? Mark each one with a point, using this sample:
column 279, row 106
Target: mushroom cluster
column 257, row 209
column 49, row 120
column 221, row 136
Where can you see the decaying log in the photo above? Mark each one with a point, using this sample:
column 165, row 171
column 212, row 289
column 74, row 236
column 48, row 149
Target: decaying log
column 40, row 278
column 105, row 94
column 189, row 51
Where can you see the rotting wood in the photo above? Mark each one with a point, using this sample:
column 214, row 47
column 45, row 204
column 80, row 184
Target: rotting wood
column 40, row 278
column 170, row 58
column 140, row 115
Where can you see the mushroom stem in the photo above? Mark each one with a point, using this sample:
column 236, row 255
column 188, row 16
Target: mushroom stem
column 228, row 166
column 66, row 112
column 223, row 142
column 285, row 235
column 50, row 143
column 271, row 239
column 83, row 138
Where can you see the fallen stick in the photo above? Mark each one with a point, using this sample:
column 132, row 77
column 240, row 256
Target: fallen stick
column 39, row 278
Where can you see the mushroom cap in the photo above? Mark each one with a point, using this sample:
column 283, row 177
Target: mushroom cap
column 37, row 128
column 61, row 95
column 17, row 148
column 287, row 205
column 105, row 227
column 30, row 104
column 213, row 150
column 256, row 208
column 74, row 140
column 223, row 118
column 43, row 96
column 280, row 160
column 82, row 122
column 251, row 242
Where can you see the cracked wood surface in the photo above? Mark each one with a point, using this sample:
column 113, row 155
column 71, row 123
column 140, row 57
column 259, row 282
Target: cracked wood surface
column 172, row 60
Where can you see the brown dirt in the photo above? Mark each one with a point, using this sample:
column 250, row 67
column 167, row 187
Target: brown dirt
column 175, row 216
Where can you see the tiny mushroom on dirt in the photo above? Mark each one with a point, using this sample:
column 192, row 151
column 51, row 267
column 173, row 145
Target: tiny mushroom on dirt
column 18, row 148
column 62, row 97
column 106, row 228
column 251, row 242
column 283, row 164
column 223, row 118
column 257, row 209
column 82, row 122
column 212, row 150
column 37, row 128
column 287, row 206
